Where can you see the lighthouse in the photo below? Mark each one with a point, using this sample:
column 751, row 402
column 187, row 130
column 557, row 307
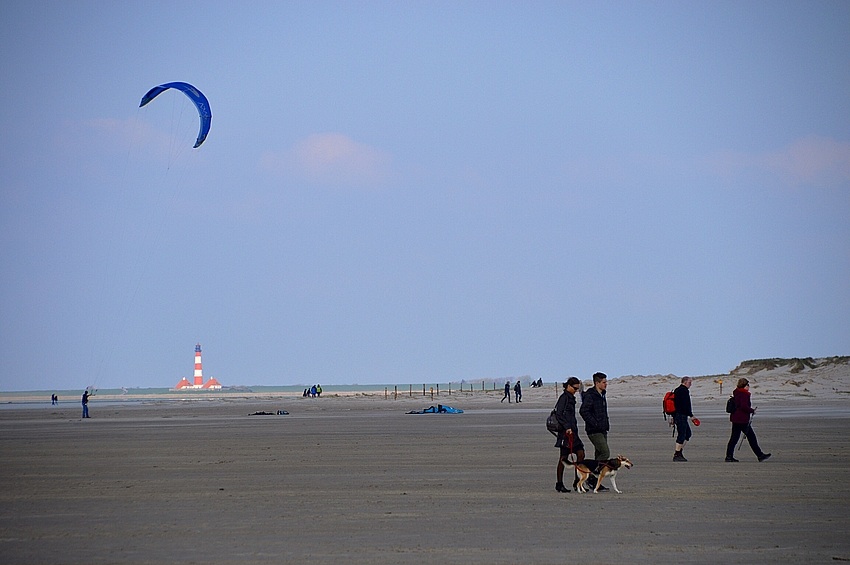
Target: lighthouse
column 198, row 383
column 199, row 377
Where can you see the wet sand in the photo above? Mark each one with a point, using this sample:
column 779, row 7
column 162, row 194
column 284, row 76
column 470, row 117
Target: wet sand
column 356, row 479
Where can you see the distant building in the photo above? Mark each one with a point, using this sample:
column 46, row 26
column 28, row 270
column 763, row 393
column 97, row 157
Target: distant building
column 199, row 383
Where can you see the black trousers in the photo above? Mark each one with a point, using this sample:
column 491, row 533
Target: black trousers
column 747, row 430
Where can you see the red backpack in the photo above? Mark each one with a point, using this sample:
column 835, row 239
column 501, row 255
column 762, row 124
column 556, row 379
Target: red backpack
column 669, row 404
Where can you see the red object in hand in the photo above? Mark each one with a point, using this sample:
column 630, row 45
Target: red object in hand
column 695, row 421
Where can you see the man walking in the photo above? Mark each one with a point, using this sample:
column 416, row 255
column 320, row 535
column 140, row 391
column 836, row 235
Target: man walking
column 507, row 392
column 594, row 412
column 568, row 440
column 682, row 400
column 518, row 392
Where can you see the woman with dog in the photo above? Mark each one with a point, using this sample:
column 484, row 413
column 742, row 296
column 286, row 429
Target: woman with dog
column 741, row 420
column 568, row 440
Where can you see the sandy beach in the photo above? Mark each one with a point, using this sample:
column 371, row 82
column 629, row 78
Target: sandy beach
column 356, row 478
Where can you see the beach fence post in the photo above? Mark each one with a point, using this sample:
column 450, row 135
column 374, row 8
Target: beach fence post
column 385, row 393
column 411, row 391
column 482, row 385
column 450, row 388
column 423, row 390
column 395, row 392
column 438, row 389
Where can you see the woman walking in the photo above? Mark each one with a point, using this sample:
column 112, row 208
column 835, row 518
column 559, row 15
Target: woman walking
column 741, row 423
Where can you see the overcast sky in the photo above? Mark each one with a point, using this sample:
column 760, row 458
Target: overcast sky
column 414, row 192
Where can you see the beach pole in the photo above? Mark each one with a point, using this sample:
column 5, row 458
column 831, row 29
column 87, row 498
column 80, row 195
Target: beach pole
column 411, row 391
column 438, row 389
column 395, row 392
column 385, row 393
column 423, row 390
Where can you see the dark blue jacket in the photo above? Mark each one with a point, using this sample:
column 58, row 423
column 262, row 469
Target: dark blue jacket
column 594, row 411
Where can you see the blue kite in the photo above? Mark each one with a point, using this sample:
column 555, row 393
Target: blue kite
column 195, row 95
column 438, row 409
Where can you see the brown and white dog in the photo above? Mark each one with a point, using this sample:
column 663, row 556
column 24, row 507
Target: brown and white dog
column 607, row 468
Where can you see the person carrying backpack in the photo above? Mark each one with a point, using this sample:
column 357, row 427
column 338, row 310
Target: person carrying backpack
column 568, row 440
column 682, row 400
column 741, row 420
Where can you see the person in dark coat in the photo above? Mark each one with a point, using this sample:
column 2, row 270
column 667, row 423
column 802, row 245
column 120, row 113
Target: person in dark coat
column 568, row 440
column 741, row 420
column 86, row 404
column 518, row 392
column 594, row 412
column 507, row 392
column 682, row 399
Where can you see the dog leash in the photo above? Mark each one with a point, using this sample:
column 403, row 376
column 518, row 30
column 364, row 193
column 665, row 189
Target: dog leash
column 572, row 455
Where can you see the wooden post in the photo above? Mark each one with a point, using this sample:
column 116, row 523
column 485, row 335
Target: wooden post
column 385, row 393
column 395, row 392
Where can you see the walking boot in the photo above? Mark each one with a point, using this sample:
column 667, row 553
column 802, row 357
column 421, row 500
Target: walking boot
column 764, row 456
column 678, row 456
column 731, row 460
column 591, row 482
column 561, row 488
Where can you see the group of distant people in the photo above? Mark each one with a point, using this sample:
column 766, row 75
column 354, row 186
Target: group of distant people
column 517, row 392
column 594, row 412
column 313, row 392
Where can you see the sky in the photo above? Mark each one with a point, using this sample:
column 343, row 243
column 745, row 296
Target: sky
column 420, row 192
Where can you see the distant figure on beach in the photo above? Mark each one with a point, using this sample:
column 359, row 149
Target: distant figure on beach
column 318, row 390
column 306, row 392
column 54, row 400
column 682, row 399
column 86, row 404
column 518, row 392
column 594, row 412
column 741, row 420
column 568, row 441
column 313, row 391
column 507, row 392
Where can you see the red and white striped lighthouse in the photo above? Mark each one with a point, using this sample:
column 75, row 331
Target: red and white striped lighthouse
column 199, row 377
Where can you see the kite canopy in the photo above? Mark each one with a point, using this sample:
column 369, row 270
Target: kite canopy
column 195, row 96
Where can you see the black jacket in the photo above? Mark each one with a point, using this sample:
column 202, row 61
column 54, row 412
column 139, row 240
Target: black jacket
column 683, row 400
column 565, row 411
column 594, row 411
